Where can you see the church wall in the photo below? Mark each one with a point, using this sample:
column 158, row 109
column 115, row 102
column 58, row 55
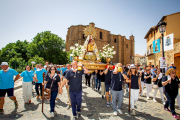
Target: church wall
column 75, row 35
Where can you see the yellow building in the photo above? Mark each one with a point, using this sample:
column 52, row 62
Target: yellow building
column 172, row 56
column 139, row 59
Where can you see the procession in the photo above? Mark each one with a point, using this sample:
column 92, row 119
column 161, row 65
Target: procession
column 89, row 60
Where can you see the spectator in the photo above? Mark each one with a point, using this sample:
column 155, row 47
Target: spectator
column 39, row 77
column 52, row 81
column 88, row 77
column 157, row 79
column 172, row 66
column 107, row 74
column 7, row 84
column 28, row 76
column 148, row 84
column 171, row 86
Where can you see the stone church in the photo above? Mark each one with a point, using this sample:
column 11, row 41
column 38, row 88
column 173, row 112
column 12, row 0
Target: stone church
column 124, row 47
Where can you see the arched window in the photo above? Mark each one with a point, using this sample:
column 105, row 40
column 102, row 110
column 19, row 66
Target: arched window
column 83, row 36
column 100, row 35
column 115, row 40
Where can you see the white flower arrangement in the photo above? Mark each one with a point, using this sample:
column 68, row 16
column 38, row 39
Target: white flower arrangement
column 107, row 52
column 76, row 50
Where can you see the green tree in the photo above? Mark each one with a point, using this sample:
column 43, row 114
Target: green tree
column 37, row 60
column 16, row 62
column 5, row 52
column 49, row 46
column 21, row 48
column 12, row 50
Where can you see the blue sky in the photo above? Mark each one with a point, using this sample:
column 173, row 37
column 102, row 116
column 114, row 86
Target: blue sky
column 23, row 19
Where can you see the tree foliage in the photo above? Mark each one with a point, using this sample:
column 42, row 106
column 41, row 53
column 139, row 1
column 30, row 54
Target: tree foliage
column 49, row 46
column 45, row 46
column 12, row 50
column 37, row 60
column 16, row 62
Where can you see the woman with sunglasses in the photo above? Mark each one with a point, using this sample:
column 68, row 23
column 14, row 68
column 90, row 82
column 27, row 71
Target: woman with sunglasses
column 28, row 76
column 52, row 81
column 148, row 84
column 171, row 84
column 135, row 86
column 157, row 79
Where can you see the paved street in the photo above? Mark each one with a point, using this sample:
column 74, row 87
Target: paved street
column 93, row 107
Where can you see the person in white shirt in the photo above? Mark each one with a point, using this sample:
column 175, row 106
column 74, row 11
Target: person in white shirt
column 157, row 79
column 47, row 64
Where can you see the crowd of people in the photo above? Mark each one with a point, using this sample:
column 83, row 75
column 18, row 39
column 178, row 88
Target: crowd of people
column 110, row 83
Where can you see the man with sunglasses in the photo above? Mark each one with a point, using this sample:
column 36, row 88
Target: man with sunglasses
column 74, row 77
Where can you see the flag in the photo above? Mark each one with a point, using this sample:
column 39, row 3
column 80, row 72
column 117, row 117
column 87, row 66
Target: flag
column 168, row 42
column 156, row 46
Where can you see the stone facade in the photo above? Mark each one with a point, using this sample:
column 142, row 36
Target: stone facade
column 139, row 59
column 124, row 47
column 172, row 56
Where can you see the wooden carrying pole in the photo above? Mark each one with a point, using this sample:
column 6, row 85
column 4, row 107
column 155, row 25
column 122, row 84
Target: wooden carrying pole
column 129, row 94
column 43, row 91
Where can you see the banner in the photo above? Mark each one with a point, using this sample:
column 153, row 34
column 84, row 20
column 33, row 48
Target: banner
column 156, row 46
column 163, row 63
column 168, row 42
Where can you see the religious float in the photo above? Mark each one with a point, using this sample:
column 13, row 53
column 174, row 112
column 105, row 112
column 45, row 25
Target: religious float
column 88, row 53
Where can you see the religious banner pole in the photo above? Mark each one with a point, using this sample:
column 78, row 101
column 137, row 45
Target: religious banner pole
column 129, row 94
column 43, row 92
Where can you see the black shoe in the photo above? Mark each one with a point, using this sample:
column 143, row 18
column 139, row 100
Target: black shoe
column 102, row 96
column 1, row 111
column 78, row 114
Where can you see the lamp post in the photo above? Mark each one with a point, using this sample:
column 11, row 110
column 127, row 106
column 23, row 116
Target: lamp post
column 162, row 29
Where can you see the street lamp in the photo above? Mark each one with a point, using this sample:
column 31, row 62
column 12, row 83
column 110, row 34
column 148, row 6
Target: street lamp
column 162, row 29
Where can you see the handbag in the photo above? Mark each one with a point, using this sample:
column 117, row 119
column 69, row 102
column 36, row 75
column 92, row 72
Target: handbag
column 155, row 86
column 48, row 90
column 31, row 79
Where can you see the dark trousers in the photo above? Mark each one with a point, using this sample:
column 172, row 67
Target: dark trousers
column 170, row 102
column 52, row 100
column 37, row 88
column 76, row 99
column 98, row 83
column 88, row 81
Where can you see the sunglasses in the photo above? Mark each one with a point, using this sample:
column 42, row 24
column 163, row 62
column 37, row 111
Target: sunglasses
column 133, row 68
column 52, row 69
column 173, row 72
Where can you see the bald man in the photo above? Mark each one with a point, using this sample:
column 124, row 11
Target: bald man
column 74, row 77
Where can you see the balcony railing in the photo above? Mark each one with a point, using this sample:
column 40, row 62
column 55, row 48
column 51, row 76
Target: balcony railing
column 149, row 52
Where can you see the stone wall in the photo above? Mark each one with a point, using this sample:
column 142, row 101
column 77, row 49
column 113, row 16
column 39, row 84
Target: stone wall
column 124, row 47
column 169, row 55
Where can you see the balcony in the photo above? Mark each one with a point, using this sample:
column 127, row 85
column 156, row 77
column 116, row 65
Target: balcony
column 149, row 52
